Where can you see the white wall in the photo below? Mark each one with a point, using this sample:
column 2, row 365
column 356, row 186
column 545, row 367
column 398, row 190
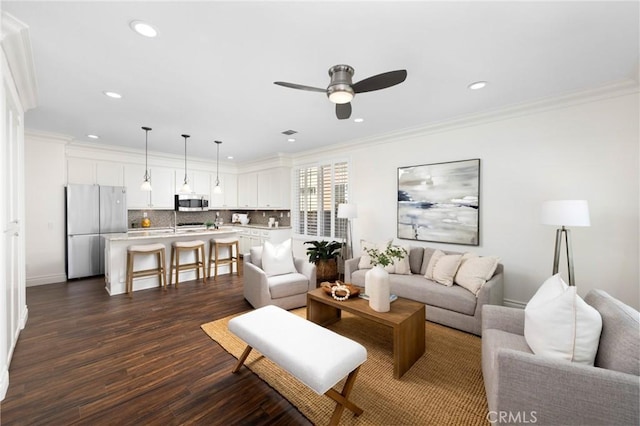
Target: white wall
column 45, row 179
column 583, row 149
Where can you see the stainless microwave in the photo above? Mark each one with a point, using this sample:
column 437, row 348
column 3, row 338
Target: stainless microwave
column 191, row 203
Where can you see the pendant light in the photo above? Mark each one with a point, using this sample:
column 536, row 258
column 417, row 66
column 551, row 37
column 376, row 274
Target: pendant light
column 217, row 189
column 185, row 187
column 146, row 184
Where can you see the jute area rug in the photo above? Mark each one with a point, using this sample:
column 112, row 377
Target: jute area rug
column 444, row 387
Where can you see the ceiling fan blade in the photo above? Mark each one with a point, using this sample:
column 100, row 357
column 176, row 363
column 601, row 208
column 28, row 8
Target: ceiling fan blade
column 380, row 81
column 300, row 86
column 343, row 111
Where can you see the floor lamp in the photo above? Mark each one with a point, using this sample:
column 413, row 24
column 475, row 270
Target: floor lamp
column 348, row 211
column 565, row 213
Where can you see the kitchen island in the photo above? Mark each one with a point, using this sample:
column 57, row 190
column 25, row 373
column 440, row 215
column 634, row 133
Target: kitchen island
column 115, row 254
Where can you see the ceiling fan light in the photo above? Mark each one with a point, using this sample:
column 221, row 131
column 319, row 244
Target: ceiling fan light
column 340, row 97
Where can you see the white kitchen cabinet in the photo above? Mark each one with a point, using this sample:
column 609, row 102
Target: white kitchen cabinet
column 274, row 187
column 199, row 182
column 252, row 237
column 248, row 190
column 81, row 171
column 229, row 196
column 133, row 177
column 111, row 174
column 91, row 172
column 162, row 188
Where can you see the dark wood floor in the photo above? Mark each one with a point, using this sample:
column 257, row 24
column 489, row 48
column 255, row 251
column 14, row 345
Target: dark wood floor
column 88, row 358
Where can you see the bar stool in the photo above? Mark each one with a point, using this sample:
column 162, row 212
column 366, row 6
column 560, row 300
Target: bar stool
column 146, row 250
column 197, row 247
column 215, row 245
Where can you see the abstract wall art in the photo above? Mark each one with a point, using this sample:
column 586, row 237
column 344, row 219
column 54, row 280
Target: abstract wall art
column 440, row 202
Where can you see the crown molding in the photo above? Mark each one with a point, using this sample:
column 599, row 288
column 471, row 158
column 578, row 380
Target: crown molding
column 16, row 45
column 625, row 87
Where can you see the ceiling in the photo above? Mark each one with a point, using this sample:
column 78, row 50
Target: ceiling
column 210, row 71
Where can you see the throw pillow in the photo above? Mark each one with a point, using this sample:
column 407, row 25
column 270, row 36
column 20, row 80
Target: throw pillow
column 365, row 259
column 400, row 266
column 475, row 271
column 559, row 324
column 433, row 259
column 445, row 269
column 277, row 259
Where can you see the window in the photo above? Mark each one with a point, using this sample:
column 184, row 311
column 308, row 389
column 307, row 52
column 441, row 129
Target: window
column 318, row 190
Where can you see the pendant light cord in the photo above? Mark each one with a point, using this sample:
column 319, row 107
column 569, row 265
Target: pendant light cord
column 146, row 153
column 185, row 158
column 218, row 163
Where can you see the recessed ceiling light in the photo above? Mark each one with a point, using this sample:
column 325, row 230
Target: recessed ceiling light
column 143, row 28
column 93, row 136
column 113, row 95
column 477, row 85
column 230, row 157
column 358, row 120
column 291, row 140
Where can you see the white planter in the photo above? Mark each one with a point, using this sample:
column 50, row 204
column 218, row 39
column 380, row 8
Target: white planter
column 376, row 284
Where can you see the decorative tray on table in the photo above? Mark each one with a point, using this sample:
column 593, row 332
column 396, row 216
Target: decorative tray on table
column 339, row 290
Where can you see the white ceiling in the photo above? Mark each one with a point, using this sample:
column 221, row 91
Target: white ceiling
column 210, row 72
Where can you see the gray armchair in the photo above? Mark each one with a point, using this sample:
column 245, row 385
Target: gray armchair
column 521, row 385
column 287, row 291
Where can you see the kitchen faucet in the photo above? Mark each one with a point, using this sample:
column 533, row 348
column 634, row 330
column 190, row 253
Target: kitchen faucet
column 175, row 221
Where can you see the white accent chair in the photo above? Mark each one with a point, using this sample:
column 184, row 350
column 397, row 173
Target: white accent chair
column 287, row 291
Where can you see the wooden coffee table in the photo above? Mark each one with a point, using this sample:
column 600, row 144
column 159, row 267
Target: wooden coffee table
column 406, row 318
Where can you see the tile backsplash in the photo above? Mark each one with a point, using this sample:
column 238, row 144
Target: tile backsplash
column 164, row 218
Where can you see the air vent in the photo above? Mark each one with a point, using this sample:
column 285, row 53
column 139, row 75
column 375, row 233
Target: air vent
column 289, row 132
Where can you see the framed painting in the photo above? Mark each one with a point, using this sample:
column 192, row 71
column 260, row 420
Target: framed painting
column 440, row 202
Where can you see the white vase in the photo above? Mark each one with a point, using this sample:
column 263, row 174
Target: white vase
column 376, row 284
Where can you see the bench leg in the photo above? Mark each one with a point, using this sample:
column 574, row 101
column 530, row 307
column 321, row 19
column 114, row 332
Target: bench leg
column 244, row 356
column 342, row 399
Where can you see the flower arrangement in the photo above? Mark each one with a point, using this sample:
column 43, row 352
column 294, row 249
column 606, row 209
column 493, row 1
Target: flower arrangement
column 385, row 258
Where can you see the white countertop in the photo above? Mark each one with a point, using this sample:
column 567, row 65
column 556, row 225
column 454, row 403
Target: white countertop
column 273, row 228
column 159, row 233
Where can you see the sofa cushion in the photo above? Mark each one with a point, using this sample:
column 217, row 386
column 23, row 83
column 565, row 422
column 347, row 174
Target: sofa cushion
column 493, row 341
column 445, row 269
column 277, row 259
column 475, row 271
column 415, row 259
column 288, row 285
column 365, row 259
column 559, row 324
column 620, row 338
column 400, row 266
column 429, row 260
column 418, row 288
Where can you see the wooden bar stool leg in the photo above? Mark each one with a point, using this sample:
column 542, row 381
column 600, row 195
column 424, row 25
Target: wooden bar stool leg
column 202, row 263
column 210, row 258
column 163, row 278
column 129, row 274
column 177, row 267
column 171, row 265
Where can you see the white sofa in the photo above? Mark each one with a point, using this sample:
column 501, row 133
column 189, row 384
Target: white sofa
column 452, row 306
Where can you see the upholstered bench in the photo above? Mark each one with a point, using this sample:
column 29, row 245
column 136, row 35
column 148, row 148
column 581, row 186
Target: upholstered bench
column 316, row 356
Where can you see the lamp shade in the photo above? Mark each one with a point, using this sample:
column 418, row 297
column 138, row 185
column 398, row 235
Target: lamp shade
column 565, row 213
column 347, row 211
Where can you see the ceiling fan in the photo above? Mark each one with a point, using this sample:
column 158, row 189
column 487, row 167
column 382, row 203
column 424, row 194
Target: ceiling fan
column 341, row 90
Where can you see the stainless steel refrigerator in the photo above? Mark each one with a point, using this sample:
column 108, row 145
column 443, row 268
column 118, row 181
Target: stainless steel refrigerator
column 92, row 211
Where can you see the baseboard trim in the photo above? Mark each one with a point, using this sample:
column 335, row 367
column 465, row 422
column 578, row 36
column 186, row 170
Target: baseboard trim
column 514, row 303
column 45, row 279
column 4, row 382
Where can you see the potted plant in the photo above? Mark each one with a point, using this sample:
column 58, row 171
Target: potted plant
column 324, row 254
column 376, row 280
